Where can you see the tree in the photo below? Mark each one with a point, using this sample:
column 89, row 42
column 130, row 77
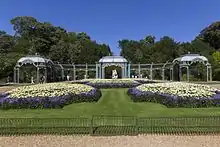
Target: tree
column 216, row 65
column 216, row 57
column 41, row 36
column 211, row 35
column 6, row 42
column 64, row 52
column 24, row 26
column 2, row 33
column 148, row 40
column 129, row 50
column 83, row 36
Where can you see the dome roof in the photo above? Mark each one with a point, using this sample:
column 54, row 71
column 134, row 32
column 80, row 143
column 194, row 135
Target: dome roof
column 191, row 57
column 33, row 59
column 113, row 59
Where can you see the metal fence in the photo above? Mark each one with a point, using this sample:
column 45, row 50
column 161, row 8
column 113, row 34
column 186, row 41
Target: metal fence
column 110, row 125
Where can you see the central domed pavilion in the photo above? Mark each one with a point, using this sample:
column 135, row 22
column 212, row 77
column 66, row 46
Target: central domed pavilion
column 112, row 61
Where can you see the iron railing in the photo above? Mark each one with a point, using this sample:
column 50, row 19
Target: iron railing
column 111, row 125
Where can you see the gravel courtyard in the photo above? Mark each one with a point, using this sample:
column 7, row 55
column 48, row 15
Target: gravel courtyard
column 116, row 141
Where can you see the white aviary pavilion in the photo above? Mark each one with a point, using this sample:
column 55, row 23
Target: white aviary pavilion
column 187, row 60
column 37, row 61
column 112, row 60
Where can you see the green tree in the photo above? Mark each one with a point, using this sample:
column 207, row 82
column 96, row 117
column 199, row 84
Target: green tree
column 211, row 35
column 6, row 42
column 216, row 65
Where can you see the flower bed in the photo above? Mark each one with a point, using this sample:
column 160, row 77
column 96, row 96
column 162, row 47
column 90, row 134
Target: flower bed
column 176, row 94
column 113, row 83
column 52, row 95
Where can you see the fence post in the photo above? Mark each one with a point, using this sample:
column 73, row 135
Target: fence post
column 91, row 126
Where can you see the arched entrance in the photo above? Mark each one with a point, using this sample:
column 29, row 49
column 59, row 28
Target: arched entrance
column 109, row 70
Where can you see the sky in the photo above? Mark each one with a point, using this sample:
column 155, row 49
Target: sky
column 108, row 21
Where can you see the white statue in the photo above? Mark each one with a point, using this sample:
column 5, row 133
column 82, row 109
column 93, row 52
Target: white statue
column 114, row 74
column 32, row 80
column 68, row 77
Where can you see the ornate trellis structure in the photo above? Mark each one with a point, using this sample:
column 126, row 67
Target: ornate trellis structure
column 37, row 61
column 187, row 60
column 112, row 60
column 128, row 70
column 151, row 68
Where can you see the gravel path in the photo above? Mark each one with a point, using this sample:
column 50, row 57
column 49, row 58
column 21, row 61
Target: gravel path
column 116, row 141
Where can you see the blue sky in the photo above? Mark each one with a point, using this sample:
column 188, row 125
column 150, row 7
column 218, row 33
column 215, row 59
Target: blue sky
column 112, row 20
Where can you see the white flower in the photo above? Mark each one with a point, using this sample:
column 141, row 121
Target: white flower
column 48, row 90
column 179, row 89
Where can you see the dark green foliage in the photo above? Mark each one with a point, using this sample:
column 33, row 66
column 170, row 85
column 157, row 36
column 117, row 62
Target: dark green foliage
column 211, row 35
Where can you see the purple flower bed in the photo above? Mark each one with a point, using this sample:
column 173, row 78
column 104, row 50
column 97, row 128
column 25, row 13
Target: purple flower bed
column 174, row 101
column 120, row 84
column 113, row 85
column 47, row 102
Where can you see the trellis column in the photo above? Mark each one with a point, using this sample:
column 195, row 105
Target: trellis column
column 171, row 73
column 122, row 71
column 18, row 75
column 129, row 70
column 163, row 78
column 207, row 73
column 15, row 70
column 45, row 74
column 37, row 74
column 103, row 73
column 151, row 71
column 139, row 70
column 86, row 71
column 74, row 72
column 97, row 71
column 180, row 72
column 100, row 71
column 187, row 70
column 125, row 71
column 62, row 71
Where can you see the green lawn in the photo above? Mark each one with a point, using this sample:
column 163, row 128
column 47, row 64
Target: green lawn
column 113, row 102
